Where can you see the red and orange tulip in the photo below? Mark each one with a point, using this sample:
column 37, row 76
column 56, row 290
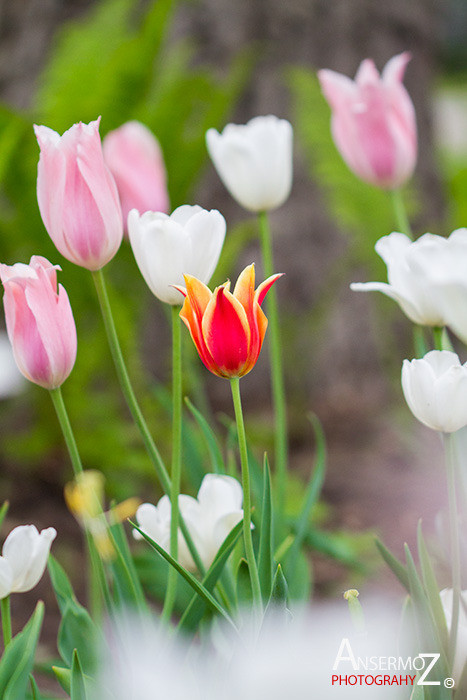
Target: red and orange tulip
column 227, row 328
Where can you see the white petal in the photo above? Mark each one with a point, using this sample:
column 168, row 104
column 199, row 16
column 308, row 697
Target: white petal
column 6, row 578
column 39, row 560
column 205, row 233
column 418, row 386
column 220, row 494
column 18, row 549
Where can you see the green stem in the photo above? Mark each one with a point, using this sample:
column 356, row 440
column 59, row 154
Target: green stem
column 277, row 374
column 67, row 431
column 248, row 540
column 402, row 220
column 455, row 547
column 133, row 405
column 176, row 458
column 438, row 337
column 6, row 620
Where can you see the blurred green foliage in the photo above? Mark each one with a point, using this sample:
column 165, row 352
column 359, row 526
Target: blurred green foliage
column 135, row 73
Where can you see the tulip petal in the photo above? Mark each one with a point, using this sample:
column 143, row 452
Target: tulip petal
column 244, row 289
column 265, row 286
column 219, row 494
column 18, row 550
column 226, row 333
column 28, row 348
column 6, row 578
column 38, row 561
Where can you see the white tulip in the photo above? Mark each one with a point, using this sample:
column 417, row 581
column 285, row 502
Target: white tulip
column 461, row 643
column 209, row 518
column 254, row 161
column 24, row 558
column 418, row 272
column 188, row 242
column 435, row 388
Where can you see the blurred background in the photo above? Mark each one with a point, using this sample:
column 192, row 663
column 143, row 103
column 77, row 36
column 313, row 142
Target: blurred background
column 182, row 67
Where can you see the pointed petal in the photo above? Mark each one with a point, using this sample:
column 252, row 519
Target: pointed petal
column 244, row 289
column 265, row 286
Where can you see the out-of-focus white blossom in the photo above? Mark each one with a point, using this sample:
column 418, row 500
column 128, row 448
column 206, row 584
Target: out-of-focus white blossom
column 293, row 656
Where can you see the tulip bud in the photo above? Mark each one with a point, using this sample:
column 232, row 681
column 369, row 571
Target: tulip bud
column 254, row 161
column 189, row 241
column 77, row 195
column 435, row 388
column 39, row 322
column 418, row 272
column 209, row 518
column 24, row 558
column 134, row 158
column 373, row 121
column 227, row 328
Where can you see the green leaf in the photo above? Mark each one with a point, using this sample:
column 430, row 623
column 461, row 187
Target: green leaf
column 394, row 564
column 3, row 512
column 18, row 658
column 77, row 630
column 189, row 578
column 63, row 676
column 316, row 481
column 77, row 688
column 127, row 585
column 266, row 541
column 428, row 633
column 432, row 589
column 313, row 490
column 243, row 581
column 34, row 689
column 196, row 608
column 280, row 589
column 212, row 444
column 60, row 583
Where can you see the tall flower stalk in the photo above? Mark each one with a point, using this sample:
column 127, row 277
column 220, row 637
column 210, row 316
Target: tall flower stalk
column 176, row 457
column 63, row 419
column 400, row 212
column 277, row 373
column 5, row 608
column 247, row 537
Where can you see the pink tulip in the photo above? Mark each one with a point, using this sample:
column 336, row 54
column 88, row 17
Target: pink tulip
column 39, row 321
column 373, row 121
column 77, row 195
column 135, row 160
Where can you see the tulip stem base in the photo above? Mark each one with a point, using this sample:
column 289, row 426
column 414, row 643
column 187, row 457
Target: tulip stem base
column 6, row 620
column 402, row 220
column 277, row 373
column 248, row 540
column 67, row 430
column 133, row 405
column 176, row 458
column 450, row 449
